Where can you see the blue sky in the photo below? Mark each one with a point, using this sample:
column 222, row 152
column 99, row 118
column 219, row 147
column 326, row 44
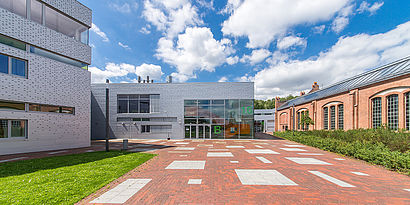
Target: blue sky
column 283, row 46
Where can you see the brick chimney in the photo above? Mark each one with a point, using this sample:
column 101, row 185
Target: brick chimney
column 315, row 87
column 302, row 93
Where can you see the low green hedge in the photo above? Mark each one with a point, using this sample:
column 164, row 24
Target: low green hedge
column 370, row 151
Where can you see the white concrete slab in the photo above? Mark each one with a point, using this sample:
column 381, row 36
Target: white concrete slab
column 406, row 189
column 263, row 143
column 360, row 173
column 152, row 141
column 340, row 159
column 235, row 146
column 293, row 145
column 186, row 165
column 300, row 160
column 258, row 146
column 293, row 149
column 58, row 152
column 205, row 145
column 262, row 177
column 261, row 151
column 331, row 179
column 183, row 155
column 219, row 154
column 121, row 193
column 185, row 148
column 13, row 159
column 264, row 160
column 234, row 162
column 310, row 154
column 195, row 181
column 218, row 150
column 181, row 142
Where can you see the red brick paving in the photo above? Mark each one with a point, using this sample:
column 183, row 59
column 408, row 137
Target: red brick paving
column 220, row 184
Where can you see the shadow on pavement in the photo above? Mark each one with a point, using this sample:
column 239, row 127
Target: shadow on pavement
column 266, row 136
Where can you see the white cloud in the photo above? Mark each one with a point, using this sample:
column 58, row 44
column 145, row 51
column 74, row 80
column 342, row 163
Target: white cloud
column 348, row 57
column 319, row 29
column 342, row 19
column 231, row 5
column 113, row 70
column 96, row 30
column 290, row 41
column 206, row 4
column 145, row 29
column 256, row 56
column 232, row 60
column 263, row 21
column 124, row 46
column 223, row 79
column 125, row 7
column 171, row 17
column 364, row 6
column 195, row 50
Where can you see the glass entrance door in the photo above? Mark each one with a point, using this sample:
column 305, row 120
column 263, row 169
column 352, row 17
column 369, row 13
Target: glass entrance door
column 204, row 131
column 201, row 131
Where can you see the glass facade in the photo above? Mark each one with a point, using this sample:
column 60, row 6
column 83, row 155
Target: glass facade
column 332, row 117
column 393, row 111
column 219, row 119
column 48, row 54
column 51, row 108
column 4, row 105
column 376, row 112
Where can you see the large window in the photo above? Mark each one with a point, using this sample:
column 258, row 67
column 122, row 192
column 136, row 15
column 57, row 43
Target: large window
column 5, row 105
column 14, row 66
column 393, row 111
column 137, row 103
column 51, row 108
column 16, row 6
column 376, row 112
column 13, row 128
column 332, row 117
column 230, row 119
column 340, row 117
column 48, row 54
column 13, row 43
column 53, row 19
column 326, row 118
column 298, row 120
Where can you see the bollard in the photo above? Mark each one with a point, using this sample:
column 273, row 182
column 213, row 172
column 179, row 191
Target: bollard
column 124, row 144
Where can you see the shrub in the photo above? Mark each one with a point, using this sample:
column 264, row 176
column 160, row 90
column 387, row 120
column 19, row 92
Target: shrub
column 381, row 146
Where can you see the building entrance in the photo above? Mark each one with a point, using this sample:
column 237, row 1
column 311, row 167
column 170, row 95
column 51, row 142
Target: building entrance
column 198, row 131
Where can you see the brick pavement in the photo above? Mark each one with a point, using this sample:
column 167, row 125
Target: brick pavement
column 220, row 184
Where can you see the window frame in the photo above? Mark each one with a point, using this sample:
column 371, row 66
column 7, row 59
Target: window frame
column 407, row 110
column 340, row 116
column 10, row 66
column 392, row 111
column 326, row 118
column 9, row 129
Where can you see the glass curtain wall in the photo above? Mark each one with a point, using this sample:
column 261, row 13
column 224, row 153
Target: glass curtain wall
column 224, row 119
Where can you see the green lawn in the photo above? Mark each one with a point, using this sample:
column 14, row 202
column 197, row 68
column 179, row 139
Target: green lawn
column 63, row 179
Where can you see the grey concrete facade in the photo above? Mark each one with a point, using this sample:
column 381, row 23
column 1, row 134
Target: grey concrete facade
column 48, row 82
column 171, row 106
column 268, row 118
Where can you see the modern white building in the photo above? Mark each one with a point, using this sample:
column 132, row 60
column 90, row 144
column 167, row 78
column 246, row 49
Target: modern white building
column 174, row 110
column 265, row 120
column 44, row 81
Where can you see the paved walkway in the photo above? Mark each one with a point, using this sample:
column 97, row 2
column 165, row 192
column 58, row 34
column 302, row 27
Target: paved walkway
column 251, row 172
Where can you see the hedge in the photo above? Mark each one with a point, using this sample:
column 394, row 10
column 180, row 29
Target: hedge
column 375, row 151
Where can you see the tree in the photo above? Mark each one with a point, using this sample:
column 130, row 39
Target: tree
column 305, row 120
column 270, row 103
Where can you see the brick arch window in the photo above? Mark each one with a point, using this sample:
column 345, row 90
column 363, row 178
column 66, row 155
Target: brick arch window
column 376, row 112
column 299, row 116
column 407, row 102
column 393, row 111
column 333, row 115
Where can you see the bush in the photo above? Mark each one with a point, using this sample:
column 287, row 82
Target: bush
column 381, row 146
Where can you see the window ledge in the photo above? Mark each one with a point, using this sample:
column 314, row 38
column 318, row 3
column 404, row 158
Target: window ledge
column 13, row 139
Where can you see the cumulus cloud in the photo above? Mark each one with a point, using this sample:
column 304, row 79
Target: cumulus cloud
column 364, row 6
column 342, row 19
column 231, row 5
column 348, row 57
column 113, row 70
column 171, row 17
column 291, row 41
column 256, row 56
column 194, row 50
column 96, row 30
column 263, row 21
column 319, row 29
column 124, row 46
column 125, row 7
column 146, row 29
column 223, row 79
column 232, row 60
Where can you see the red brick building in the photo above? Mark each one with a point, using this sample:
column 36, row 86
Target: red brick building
column 374, row 98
